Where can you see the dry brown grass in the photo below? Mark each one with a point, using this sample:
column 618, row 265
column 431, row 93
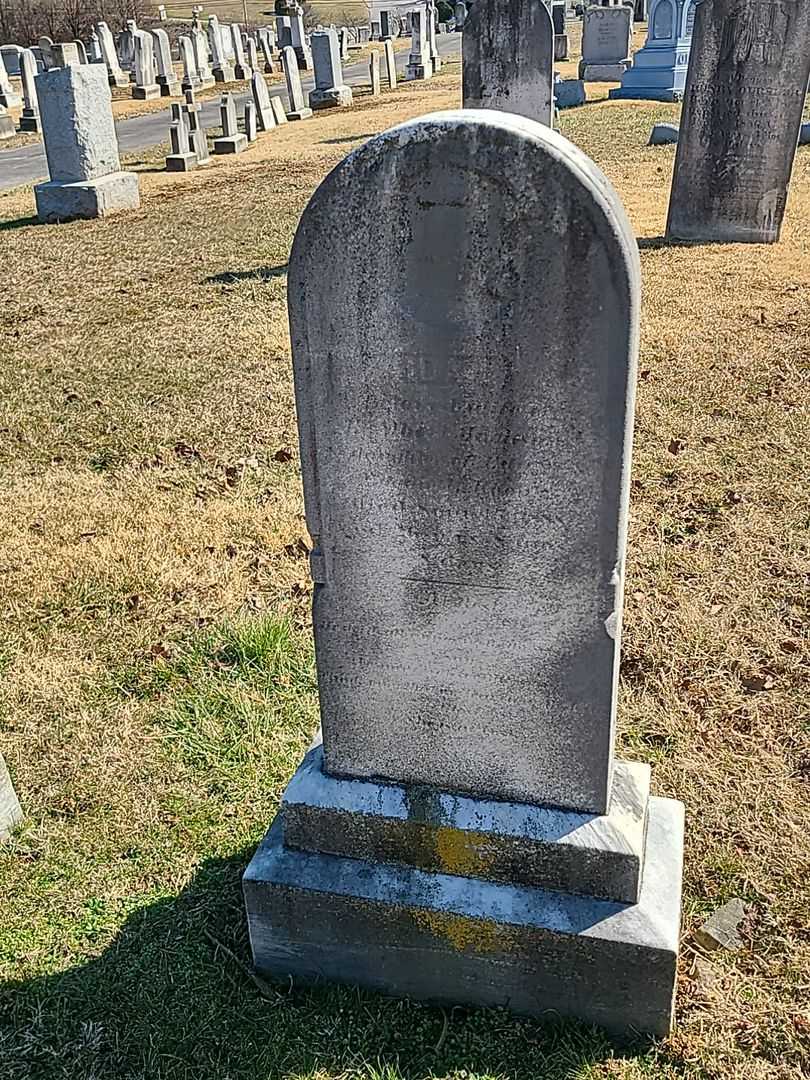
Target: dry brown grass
column 148, row 495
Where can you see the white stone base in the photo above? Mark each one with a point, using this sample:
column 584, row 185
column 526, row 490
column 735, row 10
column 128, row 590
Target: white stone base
column 231, row 144
column 299, row 114
column 58, row 201
column 603, row 72
column 181, row 162
column 331, row 98
column 146, row 93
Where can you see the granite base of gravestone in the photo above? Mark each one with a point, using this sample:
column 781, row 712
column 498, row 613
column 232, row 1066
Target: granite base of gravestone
column 735, row 152
column 658, row 70
column 80, row 144
column 182, row 158
column 463, row 835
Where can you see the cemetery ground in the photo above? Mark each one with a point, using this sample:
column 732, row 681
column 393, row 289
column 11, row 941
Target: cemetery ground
column 158, row 691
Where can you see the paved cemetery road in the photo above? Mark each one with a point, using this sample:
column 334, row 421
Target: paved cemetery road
column 26, row 164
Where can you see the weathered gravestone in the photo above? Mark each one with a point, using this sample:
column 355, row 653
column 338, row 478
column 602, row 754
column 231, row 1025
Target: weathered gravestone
column 279, row 114
column 606, row 36
column 166, row 79
column 81, row 51
column 10, row 810
column 115, row 74
column 374, row 73
column 191, row 77
column 742, row 111
column 232, row 140
column 390, row 64
column 386, row 25
column 241, row 68
column 267, row 50
column 560, row 31
column 199, row 39
column 197, row 138
column 508, row 58
column 298, row 40
column 79, row 134
column 7, row 129
column 419, row 62
column 9, row 98
column 298, row 110
column 146, row 86
column 465, row 419
column 658, row 71
column 265, row 120
column 222, row 68
column 435, row 59
column 182, row 157
column 461, row 15
column 29, row 120
column 251, row 125
column 330, row 89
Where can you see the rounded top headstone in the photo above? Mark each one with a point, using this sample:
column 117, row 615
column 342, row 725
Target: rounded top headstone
column 465, row 401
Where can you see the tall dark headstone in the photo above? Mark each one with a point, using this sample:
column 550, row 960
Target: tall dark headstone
column 508, row 58
column 465, row 416
column 742, row 111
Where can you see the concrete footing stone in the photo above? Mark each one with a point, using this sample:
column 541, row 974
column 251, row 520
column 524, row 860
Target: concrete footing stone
column 146, row 93
column 333, row 97
column 299, row 114
column 7, row 130
column 231, row 144
column 181, row 162
column 462, row 940
column 602, row 72
column 63, row 201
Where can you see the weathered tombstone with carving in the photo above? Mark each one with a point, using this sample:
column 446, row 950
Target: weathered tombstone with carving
column 464, row 834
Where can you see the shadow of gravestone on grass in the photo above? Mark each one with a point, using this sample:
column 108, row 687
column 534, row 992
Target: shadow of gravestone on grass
column 465, row 417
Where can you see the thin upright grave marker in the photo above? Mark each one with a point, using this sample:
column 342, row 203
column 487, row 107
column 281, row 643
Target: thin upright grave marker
column 742, row 110
column 464, row 834
column 298, row 110
column 508, row 58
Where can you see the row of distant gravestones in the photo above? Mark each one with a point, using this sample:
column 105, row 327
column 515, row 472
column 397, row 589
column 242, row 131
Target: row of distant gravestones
column 263, row 112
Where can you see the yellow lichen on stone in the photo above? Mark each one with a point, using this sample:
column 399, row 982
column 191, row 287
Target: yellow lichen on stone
column 464, row 934
column 462, row 853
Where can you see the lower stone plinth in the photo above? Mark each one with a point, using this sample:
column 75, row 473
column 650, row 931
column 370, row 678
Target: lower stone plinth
column 146, row 93
column 7, row 130
column 331, row 98
column 596, row 855
column 181, row 162
column 419, row 71
column 231, row 144
column 224, row 74
column 603, row 72
column 57, row 201
column 299, row 114
column 460, row 940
